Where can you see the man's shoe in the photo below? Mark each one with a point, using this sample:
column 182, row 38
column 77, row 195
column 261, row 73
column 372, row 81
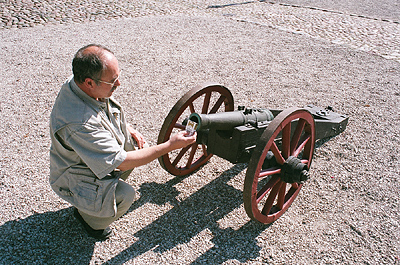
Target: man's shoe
column 101, row 234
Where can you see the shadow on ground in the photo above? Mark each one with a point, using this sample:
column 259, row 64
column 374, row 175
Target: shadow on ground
column 178, row 226
column 57, row 237
column 45, row 238
column 206, row 207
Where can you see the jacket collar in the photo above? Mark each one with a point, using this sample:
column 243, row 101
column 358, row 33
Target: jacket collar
column 85, row 97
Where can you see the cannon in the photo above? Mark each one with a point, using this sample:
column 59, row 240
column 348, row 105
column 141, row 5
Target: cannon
column 278, row 145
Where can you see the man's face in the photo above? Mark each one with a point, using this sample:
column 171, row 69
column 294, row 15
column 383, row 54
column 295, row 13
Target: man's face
column 104, row 88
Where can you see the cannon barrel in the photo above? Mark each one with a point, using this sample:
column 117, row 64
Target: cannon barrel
column 231, row 119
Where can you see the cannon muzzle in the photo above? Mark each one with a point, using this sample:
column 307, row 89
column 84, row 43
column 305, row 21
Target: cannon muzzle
column 231, row 119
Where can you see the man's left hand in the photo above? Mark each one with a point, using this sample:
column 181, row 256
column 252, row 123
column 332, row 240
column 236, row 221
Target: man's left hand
column 137, row 136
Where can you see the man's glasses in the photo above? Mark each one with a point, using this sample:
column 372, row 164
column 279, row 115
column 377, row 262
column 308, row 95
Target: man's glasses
column 108, row 83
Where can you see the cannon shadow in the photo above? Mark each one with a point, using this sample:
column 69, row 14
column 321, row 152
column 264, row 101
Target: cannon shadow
column 45, row 238
column 208, row 205
column 179, row 225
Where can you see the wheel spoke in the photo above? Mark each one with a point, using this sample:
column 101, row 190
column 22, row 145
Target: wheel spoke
column 278, row 156
column 304, row 161
column 191, row 156
column 206, row 102
column 218, row 104
column 303, row 143
column 269, row 172
column 271, row 198
column 286, row 140
column 296, row 135
column 290, row 193
column 281, row 196
column 191, row 107
column 204, row 147
column 264, row 191
column 180, row 155
column 179, row 126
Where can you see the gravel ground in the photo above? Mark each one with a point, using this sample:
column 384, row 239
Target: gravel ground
column 347, row 213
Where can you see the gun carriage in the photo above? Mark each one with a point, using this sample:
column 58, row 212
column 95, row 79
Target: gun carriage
column 278, row 145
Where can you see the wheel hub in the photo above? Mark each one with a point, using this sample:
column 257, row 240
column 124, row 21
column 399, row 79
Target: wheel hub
column 294, row 171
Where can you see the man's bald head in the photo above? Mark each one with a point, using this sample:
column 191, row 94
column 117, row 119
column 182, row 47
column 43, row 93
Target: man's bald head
column 90, row 62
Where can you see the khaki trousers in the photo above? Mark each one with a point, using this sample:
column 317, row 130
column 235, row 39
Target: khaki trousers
column 124, row 195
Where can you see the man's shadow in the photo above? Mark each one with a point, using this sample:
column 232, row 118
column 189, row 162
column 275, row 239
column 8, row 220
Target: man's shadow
column 202, row 210
column 45, row 238
column 58, row 238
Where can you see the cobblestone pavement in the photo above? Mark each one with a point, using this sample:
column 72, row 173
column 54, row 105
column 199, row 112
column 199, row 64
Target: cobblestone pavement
column 384, row 9
column 369, row 34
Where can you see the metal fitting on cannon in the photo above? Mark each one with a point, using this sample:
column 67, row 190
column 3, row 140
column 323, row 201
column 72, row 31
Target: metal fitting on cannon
column 294, row 171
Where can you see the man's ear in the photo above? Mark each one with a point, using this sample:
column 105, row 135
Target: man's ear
column 89, row 83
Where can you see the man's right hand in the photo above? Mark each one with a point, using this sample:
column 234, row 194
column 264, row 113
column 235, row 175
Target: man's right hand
column 182, row 139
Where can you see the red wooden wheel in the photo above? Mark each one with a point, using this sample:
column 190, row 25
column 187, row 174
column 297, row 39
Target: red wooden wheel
column 209, row 98
column 266, row 196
